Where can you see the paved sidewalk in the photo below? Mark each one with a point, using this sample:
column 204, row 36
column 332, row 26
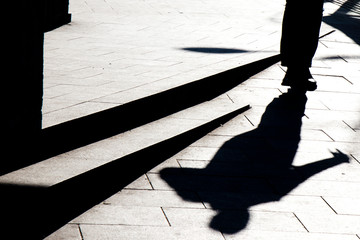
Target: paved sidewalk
column 287, row 168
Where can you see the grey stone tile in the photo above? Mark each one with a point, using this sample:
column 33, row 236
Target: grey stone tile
column 330, row 223
column 296, row 204
column 67, row 232
column 274, row 72
column 234, row 221
column 198, row 153
column 236, row 126
column 315, row 135
column 319, row 115
column 265, row 83
column 345, row 206
column 197, row 164
column 333, row 83
column 140, row 183
column 344, row 135
column 170, row 163
column 124, row 215
column 341, row 101
column 211, row 141
column 344, row 173
column 284, row 235
column 51, row 105
column 345, row 147
column 51, row 171
column 308, row 146
column 152, row 198
column 255, row 96
column 254, row 114
column 354, row 124
column 73, row 112
column 210, row 110
column 103, row 232
column 322, row 188
column 357, row 157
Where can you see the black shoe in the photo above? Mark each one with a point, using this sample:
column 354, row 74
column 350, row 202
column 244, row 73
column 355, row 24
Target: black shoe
column 301, row 84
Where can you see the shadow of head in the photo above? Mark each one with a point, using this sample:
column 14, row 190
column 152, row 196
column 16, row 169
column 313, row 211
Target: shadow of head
column 229, row 222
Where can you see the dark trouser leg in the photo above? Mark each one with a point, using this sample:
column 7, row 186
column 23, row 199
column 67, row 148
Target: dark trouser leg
column 300, row 33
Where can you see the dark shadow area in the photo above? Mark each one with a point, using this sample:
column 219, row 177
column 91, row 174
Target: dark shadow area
column 30, row 212
column 252, row 168
column 349, row 24
column 56, row 14
column 214, row 50
column 101, row 125
column 21, row 78
column 24, row 23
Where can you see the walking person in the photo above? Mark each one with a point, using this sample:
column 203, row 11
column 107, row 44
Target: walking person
column 299, row 41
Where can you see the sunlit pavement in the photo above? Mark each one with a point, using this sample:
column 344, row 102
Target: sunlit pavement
column 283, row 169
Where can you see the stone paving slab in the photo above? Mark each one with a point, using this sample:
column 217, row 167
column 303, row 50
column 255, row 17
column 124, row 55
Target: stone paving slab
column 134, row 215
column 260, row 235
column 261, row 220
column 107, row 43
column 147, row 232
column 337, row 224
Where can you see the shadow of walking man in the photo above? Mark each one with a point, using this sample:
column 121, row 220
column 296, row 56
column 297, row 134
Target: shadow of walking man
column 247, row 169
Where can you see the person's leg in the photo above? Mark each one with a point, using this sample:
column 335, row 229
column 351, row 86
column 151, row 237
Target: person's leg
column 300, row 33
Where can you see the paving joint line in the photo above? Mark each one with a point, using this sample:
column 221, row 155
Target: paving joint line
column 249, row 120
column 148, row 179
column 167, row 219
column 349, row 126
column 80, row 232
column 301, row 222
column 321, row 130
column 357, row 160
column 329, row 205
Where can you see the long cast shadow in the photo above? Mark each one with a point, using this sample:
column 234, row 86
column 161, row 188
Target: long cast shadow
column 214, row 50
column 246, row 170
column 101, row 125
column 31, row 212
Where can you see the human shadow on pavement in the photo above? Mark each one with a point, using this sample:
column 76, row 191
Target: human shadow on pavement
column 349, row 24
column 252, row 168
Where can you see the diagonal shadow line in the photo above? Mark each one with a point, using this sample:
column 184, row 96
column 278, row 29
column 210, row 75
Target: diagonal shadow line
column 83, row 131
column 348, row 24
column 56, row 206
column 214, row 50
